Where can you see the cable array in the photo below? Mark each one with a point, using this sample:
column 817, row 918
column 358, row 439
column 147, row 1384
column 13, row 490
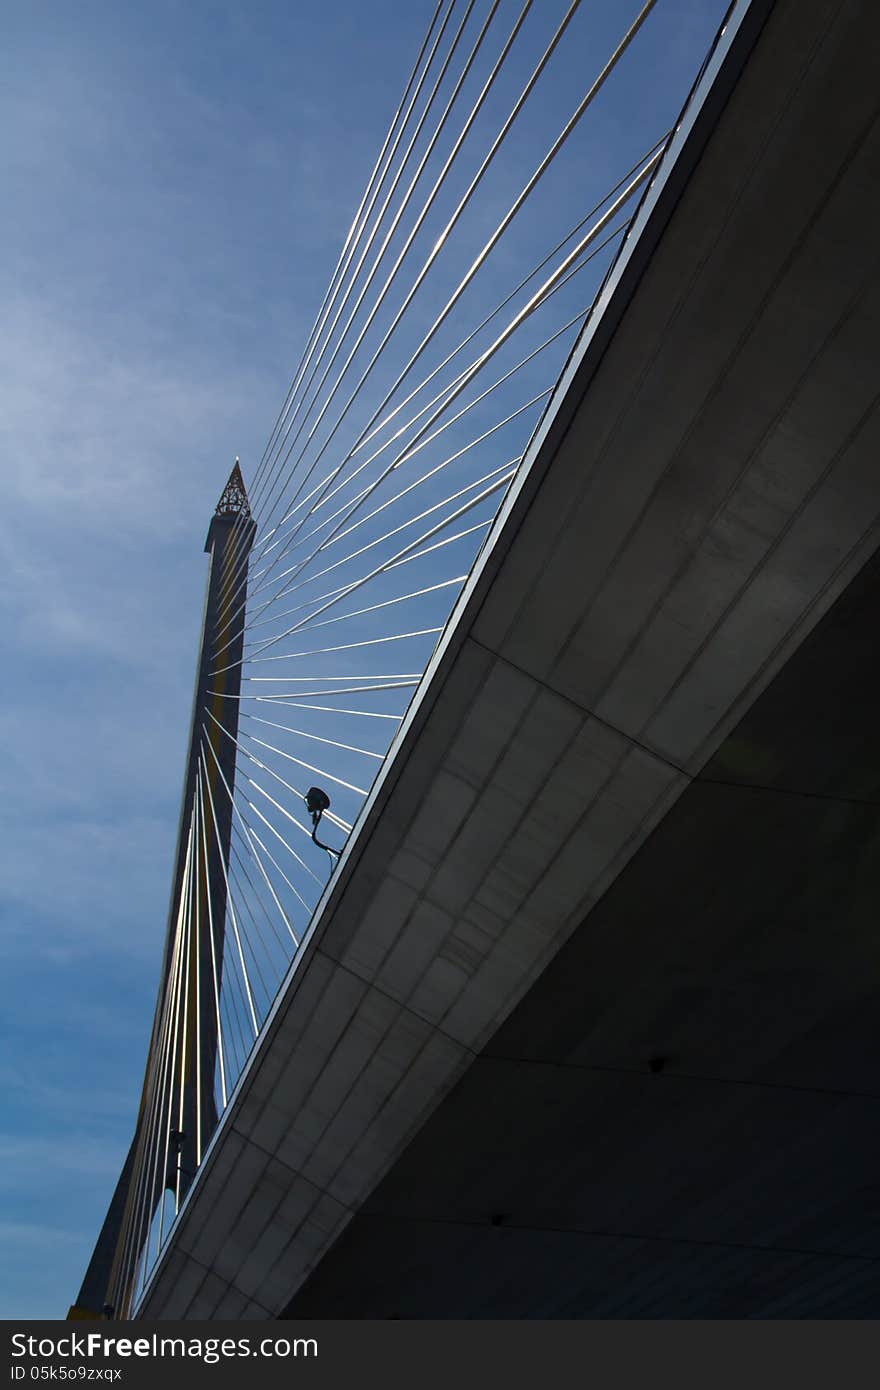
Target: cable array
column 469, row 269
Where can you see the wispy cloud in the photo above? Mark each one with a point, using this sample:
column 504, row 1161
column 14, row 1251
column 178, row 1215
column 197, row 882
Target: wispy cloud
column 34, row 1160
column 92, row 433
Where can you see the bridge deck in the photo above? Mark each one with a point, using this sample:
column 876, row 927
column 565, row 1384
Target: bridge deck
column 704, row 488
column 739, row 947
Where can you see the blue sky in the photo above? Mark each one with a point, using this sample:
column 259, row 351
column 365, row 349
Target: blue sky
column 179, row 177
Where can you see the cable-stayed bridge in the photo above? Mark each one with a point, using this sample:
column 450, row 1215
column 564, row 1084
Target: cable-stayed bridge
column 575, row 1015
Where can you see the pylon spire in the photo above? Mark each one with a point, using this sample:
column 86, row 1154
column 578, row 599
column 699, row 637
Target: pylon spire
column 234, row 498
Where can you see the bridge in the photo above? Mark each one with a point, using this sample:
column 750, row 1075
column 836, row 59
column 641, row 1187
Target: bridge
column 583, row 1021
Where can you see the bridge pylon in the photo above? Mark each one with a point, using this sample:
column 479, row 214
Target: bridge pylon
column 178, row 1107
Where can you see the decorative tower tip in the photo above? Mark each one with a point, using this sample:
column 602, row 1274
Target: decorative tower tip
column 234, row 498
